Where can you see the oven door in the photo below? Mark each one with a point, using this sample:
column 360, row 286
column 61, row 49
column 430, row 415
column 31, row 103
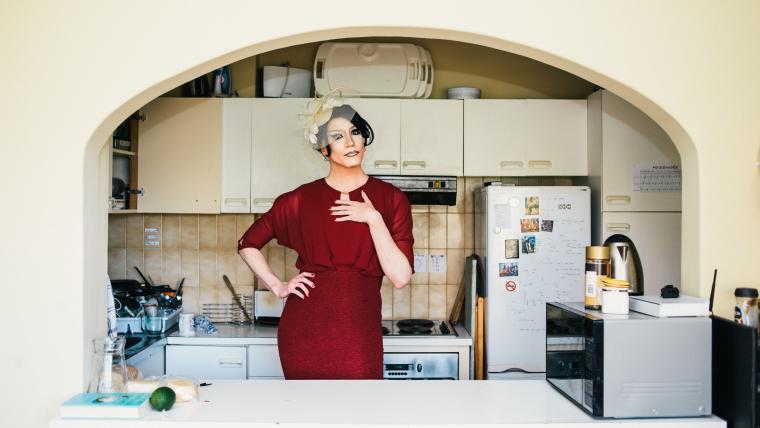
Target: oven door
column 425, row 365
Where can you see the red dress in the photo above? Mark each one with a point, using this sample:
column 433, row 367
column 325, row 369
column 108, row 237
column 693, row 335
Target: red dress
column 334, row 333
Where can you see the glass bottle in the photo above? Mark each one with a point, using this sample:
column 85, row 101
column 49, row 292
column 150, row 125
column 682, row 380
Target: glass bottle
column 109, row 367
column 597, row 268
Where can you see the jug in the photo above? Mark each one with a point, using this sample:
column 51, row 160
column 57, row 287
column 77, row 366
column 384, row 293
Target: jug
column 109, row 368
column 625, row 263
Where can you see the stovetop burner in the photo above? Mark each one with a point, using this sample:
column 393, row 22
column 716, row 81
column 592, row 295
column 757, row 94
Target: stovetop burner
column 417, row 327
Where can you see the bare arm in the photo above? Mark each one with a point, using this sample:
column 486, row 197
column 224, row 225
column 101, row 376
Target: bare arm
column 258, row 264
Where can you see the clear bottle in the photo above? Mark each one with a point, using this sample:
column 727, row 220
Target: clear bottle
column 597, row 268
column 746, row 310
column 109, row 367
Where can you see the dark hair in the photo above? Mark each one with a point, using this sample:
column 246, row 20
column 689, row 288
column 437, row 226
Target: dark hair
column 347, row 112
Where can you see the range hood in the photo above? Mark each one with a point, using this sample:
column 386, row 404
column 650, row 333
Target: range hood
column 425, row 190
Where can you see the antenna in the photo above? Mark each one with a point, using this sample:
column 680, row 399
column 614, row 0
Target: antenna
column 712, row 290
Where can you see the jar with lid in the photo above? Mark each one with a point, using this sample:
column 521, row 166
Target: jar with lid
column 746, row 310
column 597, row 268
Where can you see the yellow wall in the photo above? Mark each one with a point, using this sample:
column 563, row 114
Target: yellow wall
column 498, row 74
column 74, row 70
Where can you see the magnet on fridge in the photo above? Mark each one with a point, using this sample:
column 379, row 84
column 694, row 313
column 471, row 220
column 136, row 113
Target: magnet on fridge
column 514, row 202
column 528, row 244
column 508, row 269
column 531, row 205
column 512, row 248
column 497, row 230
column 529, row 225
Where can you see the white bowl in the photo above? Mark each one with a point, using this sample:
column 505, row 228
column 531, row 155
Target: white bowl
column 463, row 93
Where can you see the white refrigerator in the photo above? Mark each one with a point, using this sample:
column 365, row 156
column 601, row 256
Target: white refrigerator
column 532, row 242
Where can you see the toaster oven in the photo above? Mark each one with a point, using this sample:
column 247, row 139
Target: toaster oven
column 629, row 366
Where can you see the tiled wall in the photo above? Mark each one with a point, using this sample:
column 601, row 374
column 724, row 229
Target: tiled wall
column 201, row 248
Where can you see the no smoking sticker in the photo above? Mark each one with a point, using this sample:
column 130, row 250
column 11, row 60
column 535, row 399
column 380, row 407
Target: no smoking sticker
column 510, row 286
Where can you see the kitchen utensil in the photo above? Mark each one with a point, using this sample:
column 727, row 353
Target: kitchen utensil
column 236, row 298
column 139, row 272
column 625, row 263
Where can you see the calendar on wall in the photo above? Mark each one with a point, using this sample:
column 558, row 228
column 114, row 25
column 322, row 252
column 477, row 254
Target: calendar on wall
column 650, row 178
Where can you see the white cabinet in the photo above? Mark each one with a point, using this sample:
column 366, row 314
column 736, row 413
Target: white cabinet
column 264, row 362
column 236, row 155
column 657, row 237
column 431, row 137
column 626, row 137
column 150, row 361
column 281, row 159
column 206, row 362
column 525, row 137
column 180, row 155
column 383, row 156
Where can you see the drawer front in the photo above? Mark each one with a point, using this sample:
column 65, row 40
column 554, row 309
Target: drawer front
column 264, row 361
column 206, row 362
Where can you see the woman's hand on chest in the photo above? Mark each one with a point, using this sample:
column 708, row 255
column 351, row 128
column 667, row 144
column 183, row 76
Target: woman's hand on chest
column 360, row 212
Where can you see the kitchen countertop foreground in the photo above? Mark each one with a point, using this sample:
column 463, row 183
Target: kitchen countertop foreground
column 270, row 403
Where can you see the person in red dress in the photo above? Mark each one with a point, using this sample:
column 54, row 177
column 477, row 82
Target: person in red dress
column 349, row 230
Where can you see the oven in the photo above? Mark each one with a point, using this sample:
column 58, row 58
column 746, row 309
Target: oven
column 417, row 363
column 425, row 365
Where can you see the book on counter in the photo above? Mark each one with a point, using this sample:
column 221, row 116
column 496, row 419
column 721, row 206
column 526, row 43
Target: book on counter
column 116, row 405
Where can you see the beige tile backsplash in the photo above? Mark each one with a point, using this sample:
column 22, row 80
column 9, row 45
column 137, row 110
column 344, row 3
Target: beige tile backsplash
column 201, row 248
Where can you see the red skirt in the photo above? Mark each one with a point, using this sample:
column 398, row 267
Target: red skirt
column 335, row 332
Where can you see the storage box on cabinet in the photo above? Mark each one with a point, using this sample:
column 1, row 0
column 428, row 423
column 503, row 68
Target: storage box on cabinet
column 264, row 362
column 525, row 137
column 180, row 155
column 206, row 362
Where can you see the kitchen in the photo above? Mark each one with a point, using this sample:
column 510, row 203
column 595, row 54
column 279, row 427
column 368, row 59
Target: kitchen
column 690, row 205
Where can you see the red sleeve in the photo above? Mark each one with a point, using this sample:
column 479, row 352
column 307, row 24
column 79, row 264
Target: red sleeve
column 269, row 225
column 400, row 226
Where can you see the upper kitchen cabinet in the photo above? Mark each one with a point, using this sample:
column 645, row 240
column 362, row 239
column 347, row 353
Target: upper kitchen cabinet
column 637, row 163
column 383, row 156
column 281, row 159
column 180, row 155
column 525, row 137
column 236, row 155
column 431, row 137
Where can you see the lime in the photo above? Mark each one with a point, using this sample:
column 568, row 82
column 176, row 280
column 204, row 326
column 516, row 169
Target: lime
column 163, row 398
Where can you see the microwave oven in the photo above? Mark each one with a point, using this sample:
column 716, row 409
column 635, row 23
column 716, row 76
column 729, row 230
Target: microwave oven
column 629, row 366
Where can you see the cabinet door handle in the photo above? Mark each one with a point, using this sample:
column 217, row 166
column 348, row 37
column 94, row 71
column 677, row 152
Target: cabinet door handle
column 263, row 202
column 539, row 164
column 618, row 227
column 385, row 164
column 235, row 202
column 511, row 164
column 618, row 199
column 413, row 164
column 228, row 363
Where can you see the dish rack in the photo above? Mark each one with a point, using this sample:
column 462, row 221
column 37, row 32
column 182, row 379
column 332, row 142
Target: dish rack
column 229, row 312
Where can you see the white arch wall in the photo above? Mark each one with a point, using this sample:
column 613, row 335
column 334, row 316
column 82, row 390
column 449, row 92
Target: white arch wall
column 72, row 71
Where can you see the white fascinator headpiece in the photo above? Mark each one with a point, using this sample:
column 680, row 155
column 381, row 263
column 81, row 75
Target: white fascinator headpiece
column 318, row 112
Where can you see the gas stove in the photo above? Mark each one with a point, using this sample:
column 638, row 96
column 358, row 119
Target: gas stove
column 417, row 328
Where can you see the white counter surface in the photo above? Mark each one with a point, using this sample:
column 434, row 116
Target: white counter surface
column 269, row 403
column 233, row 334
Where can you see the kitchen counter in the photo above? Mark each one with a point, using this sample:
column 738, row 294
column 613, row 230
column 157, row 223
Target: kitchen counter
column 233, row 334
column 270, row 403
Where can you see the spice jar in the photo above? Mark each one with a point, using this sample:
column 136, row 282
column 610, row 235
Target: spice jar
column 746, row 306
column 597, row 267
column 615, row 296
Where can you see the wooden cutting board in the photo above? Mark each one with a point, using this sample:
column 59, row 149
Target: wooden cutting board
column 480, row 316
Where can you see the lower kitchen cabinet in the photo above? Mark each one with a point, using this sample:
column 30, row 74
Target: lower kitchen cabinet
column 150, row 362
column 264, row 362
column 206, row 362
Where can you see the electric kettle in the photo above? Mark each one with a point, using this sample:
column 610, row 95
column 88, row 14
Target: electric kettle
column 625, row 263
